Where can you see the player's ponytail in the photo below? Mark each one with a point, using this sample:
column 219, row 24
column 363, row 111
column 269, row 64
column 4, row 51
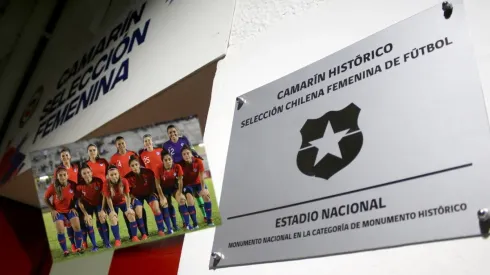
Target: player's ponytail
column 58, row 187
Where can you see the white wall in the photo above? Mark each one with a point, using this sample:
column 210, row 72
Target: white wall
column 183, row 36
column 273, row 38
column 20, row 30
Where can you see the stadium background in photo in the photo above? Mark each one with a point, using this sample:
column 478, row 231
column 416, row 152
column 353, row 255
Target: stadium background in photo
column 44, row 161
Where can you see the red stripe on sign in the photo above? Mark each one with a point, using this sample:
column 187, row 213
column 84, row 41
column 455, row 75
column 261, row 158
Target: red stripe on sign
column 159, row 257
column 24, row 240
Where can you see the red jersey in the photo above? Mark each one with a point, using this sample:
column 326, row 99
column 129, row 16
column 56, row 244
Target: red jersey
column 192, row 170
column 118, row 198
column 72, row 178
column 122, row 162
column 66, row 203
column 152, row 159
column 168, row 178
column 72, row 173
column 99, row 167
column 142, row 184
column 91, row 193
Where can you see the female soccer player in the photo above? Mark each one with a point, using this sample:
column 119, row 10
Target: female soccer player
column 194, row 185
column 151, row 156
column 97, row 164
column 142, row 184
column 169, row 183
column 62, row 208
column 90, row 202
column 174, row 146
column 121, row 157
column 72, row 170
column 116, row 193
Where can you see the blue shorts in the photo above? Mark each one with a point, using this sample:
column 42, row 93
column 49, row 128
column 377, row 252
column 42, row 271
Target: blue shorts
column 193, row 189
column 65, row 217
column 140, row 200
column 169, row 191
column 92, row 209
column 121, row 206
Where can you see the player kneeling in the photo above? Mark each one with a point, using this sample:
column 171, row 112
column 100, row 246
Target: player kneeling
column 194, row 185
column 142, row 184
column 116, row 193
column 169, row 183
column 62, row 208
column 90, row 202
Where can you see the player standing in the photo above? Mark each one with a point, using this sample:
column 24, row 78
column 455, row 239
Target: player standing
column 152, row 158
column 62, row 208
column 116, row 193
column 142, row 185
column 174, row 146
column 169, row 178
column 90, row 203
column 194, row 185
column 121, row 158
column 97, row 164
column 72, row 170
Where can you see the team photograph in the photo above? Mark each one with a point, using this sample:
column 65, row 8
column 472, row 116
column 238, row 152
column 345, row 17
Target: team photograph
column 123, row 189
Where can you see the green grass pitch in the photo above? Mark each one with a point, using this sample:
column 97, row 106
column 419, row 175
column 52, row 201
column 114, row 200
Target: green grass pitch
column 57, row 253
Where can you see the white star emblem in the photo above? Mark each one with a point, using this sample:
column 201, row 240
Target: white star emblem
column 329, row 143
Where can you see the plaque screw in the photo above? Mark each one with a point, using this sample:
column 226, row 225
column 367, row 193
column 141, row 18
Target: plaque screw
column 217, row 257
column 448, row 9
column 483, row 214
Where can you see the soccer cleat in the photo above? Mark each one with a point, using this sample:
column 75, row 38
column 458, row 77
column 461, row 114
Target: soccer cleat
column 108, row 245
column 80, row 251
column 205, row 219
column 189, row 227
column 196, row 226
column 144, row 237
column 117, row 243
column 66, row 253
column 210, row 223
column 73, row 248
column 161, row 234
column 84, row 245
column 176, row 228
column 95, row 249
column 135, row 239
column 170, row 232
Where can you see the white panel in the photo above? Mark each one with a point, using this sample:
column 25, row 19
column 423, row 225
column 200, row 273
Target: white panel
column 23, row 35
column 98, row 264
column 289, row 44
column 182, row 37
